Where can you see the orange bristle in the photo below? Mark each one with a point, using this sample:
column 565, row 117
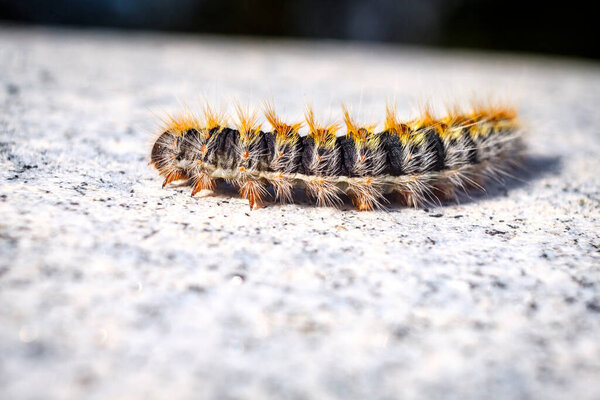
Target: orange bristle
column 253, row 191
column 173, row 176
column 213, row 118
column 360, row 134
column 393, row 125
column 247, row 123
column 201, row 182
column 280, row 128
column 322, row 135
column 178, row 124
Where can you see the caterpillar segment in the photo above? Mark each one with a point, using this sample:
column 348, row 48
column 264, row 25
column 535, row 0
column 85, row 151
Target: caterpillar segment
column 364, row 157
column 321, row 161
column 249, row 154
column 418, row 163
column 284, row 154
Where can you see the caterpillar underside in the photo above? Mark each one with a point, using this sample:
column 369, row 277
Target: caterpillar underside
column 417, row 163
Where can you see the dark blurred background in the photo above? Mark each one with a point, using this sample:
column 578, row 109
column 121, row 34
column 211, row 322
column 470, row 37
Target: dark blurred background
column 567, row 28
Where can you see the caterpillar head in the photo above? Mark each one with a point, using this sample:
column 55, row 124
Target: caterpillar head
column 168, row 145
column 164, row 151
column 166, row 154
column 168, row 148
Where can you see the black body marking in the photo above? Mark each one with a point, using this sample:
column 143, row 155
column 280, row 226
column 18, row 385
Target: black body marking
column 436, row 148
column 393, row 149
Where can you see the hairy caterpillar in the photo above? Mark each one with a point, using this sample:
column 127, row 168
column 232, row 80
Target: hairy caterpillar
column 421, row 161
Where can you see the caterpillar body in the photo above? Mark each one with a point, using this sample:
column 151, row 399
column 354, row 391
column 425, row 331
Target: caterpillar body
column 422, row 161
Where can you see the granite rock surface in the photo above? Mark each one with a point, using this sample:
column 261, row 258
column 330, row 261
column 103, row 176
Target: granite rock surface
column 111, row 287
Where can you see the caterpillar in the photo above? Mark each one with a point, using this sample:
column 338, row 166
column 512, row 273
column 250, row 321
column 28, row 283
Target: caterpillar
column 418, row 162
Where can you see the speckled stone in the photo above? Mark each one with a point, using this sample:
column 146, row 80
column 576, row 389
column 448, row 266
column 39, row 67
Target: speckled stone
column 113, row 288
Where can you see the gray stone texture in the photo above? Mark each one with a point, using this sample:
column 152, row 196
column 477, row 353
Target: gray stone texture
column 111, row 287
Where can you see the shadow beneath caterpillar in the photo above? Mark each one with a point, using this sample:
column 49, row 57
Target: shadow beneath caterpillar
column 531, row 168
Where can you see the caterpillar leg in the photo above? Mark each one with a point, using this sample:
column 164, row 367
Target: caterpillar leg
column 415, row 196
column 324, row 192
column 202, row 181
column 366, row 195
column 283, row 189
column 418, row 191
column 254, row 191
column 174, row 175
column 445, row 189
column 455, row 182
column 445, row 192
column 363, row 203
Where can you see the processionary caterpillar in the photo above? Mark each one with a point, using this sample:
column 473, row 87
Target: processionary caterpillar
column 418, row 162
